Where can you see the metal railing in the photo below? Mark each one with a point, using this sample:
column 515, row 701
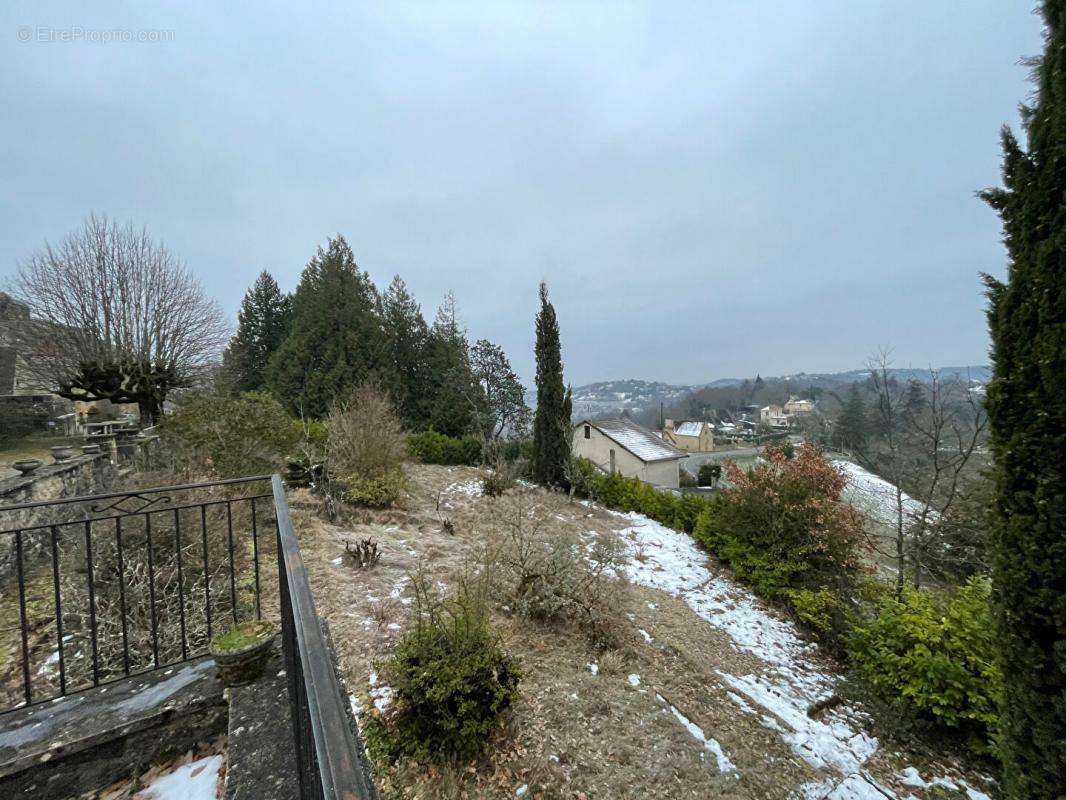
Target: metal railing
column 97, row 588
column 329, row 758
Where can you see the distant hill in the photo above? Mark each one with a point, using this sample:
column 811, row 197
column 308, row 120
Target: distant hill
column 633, row 394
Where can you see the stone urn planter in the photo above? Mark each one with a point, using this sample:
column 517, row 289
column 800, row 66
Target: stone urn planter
column 62, row 453
column 27, row 465
column 241, row 653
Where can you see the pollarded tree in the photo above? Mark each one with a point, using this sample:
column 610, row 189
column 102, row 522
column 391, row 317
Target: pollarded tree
column 120, row 318
column 335, row 341
column 551, row 423
column 1027, row 412
column 262, row 324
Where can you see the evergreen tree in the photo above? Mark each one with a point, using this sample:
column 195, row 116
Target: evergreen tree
column 262, row 324
column 1027, row 412
column 336, row 341
column 451, row 379
column 551, row 424
column 407, row 338
column 853, row 424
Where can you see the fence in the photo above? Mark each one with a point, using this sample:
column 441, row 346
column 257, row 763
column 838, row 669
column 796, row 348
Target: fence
column 108, row 586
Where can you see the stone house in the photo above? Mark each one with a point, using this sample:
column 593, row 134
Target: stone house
column 799, row 408
column 774, row 416
column 689, row 435
column 15, row 377
column 623, row 446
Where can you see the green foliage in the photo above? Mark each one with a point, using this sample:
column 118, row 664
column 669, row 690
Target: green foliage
column 552, row 431
column 431, row 447
column 17, row 422
column 631, row 494
column 709, row 474
column 336, row 339
column 262, row 324
column 820, row 609
column 937, row 655
column 229, row 436
column 451, row 680
column 853, row 425
column 452, row 391
column 375, row 490
column 1027, row 412
column 781, row 526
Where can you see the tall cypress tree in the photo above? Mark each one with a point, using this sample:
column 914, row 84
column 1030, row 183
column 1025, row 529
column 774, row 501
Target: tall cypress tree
column 551, row 424
column 336, row 341
column 262, row 323
column 1027, row 412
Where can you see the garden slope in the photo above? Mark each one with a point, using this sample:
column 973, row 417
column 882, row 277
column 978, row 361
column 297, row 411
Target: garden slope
column 707, row 697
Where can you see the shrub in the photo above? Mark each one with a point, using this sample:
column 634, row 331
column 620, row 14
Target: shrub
column 364, row 434
column 451, row 680
column 229, row 435
column 431, row 447
column 709, row 474
column 782, row 526
column 498, row 481
column 936, row 654
column 550, row 576
column 381, row 490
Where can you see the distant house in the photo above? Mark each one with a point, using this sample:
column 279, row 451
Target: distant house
column 799, row 408
column 622, row 446
column 774, row 416
column 690, row 436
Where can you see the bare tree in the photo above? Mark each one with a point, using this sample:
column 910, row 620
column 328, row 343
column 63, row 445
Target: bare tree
column 924, row 442
column 118, row 316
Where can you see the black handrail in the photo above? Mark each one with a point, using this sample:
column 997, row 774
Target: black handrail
column 330, row 761
column 64, row 553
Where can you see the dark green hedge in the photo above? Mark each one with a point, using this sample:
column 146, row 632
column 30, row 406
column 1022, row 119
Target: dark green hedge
column 431, row 447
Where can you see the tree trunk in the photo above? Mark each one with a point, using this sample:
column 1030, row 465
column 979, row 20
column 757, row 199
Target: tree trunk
column 149, row 409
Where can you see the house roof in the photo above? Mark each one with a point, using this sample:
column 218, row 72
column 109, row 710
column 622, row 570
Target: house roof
column 637, row 439
column 689, row 428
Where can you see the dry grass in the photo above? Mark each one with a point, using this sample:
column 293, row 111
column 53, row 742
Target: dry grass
column 574, row 734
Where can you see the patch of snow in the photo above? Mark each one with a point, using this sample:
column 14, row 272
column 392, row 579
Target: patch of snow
column 382, row 696
column 594, row 668
column 874, row 495
column 711, row 744
column 645, row 634
column 787, row 684
column 337, row 560
column 634, row 680
column 197, row 780
column 357, row 707
column 469, row 488
column 521, row 790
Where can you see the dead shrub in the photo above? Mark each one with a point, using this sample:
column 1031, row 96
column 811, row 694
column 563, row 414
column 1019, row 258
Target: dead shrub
column 364, row 553
column 554, row 576
column 366, row 446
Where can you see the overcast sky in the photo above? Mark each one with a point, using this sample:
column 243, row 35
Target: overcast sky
column 710, row 189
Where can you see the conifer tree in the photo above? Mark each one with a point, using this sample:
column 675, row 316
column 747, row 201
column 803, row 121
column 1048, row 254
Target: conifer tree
column 451, row 379
column 1027, row 413
column 551, row 423
column 262, row 323
column 407, row 337
column 852, row 427
column 336, row 341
